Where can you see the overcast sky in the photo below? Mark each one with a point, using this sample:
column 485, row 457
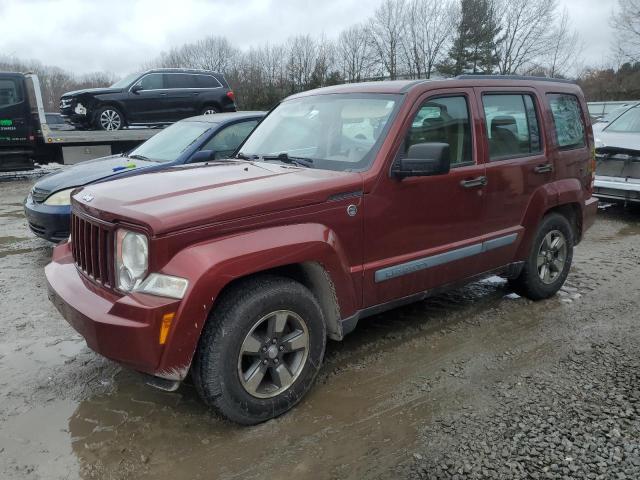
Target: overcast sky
column 119, row 35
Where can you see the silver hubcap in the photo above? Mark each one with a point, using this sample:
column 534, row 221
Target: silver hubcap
column 209, row 111
column 110, row 120
column 552, row 256
column 273, row 354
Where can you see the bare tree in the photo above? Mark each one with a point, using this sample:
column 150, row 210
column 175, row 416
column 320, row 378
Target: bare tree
column 354, row 53
column 564, row 49
column 386, row 30
column 525, row 33
column 626, row 23
column 429, row 29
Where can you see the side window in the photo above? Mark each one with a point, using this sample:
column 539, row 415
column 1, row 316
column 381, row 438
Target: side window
column 10, row 92
column 206, row 81
column 511, row 124
column 226, row 141
column 444, row 120
column 153, row 81
column 628, row 122
column 567, row 119
column 180, row 80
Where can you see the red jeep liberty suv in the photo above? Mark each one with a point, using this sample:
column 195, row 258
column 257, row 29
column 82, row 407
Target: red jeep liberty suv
column 344, row 202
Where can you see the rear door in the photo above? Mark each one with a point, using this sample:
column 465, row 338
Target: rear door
column 14, row 111
column 423, row 232
column 183, row 95
column 517, row 165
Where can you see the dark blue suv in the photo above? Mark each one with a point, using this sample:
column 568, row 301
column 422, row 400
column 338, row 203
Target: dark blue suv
column 196, row 139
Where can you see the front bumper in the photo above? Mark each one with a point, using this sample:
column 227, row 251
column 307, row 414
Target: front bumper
column 121, row 328
column 50, row 222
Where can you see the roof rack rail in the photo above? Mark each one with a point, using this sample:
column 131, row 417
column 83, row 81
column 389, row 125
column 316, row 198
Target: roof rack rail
column 512, row 77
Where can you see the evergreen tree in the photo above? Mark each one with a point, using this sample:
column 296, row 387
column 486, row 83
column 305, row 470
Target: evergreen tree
column 475, row 44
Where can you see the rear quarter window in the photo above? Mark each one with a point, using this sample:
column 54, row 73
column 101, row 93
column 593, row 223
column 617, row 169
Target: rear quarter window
column 567, row 120
column 206, row 81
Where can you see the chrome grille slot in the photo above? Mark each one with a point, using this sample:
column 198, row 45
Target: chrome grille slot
column 92, row 249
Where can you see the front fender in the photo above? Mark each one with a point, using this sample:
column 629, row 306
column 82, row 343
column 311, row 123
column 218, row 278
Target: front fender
column 212, row 265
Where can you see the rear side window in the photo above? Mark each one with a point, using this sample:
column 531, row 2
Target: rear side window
column 206, row 81
column 567, row 119
column 511, row 124
column 10, row 92
column 628, row 122
column 180, row 80
column 443, row 120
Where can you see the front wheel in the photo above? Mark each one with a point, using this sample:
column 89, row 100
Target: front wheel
column 109, row 118
column 548, row 264
column 260, row 350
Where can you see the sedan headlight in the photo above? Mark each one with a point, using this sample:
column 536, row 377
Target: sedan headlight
column 63, row 197
column 132, row 259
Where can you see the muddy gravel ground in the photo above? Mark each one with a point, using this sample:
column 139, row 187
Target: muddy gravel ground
column 477, row 383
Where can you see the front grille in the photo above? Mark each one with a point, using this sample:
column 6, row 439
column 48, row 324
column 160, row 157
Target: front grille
column 39, row 195
column 92, row 246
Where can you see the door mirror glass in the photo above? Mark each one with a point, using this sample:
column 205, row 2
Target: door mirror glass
column 423, row 159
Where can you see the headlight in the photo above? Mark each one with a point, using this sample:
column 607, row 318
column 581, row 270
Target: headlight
column 63, row 197
column 132, row 259
column 164, row 286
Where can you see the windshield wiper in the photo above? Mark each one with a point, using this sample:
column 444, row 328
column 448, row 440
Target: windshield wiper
column 285, row 158
column 140, row 157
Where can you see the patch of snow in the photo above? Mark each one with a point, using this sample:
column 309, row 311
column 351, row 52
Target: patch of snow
column 512, row 296
column 494, row 280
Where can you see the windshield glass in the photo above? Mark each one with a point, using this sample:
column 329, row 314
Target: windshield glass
column 126, row 81
column 337, row 131
column 171, row 142
column 628, row 122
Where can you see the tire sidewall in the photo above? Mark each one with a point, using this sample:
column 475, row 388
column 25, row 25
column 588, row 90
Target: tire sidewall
column 101, row 110
column 234, row 401
column 209, row 107
column 535, row 283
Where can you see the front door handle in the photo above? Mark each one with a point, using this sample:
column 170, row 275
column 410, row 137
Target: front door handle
column 475, row 182
column 544, row 168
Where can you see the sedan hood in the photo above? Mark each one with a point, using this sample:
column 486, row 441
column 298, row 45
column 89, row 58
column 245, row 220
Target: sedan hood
column 88, row 172
column 192, row 196
column 91, row 91
column 629, row 141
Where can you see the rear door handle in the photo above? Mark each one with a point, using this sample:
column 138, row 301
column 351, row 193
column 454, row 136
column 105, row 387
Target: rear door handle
column 544, row 168
column 475, row 182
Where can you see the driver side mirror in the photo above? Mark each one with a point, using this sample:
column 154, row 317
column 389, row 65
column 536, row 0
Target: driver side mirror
column 423, row 159
column 203, row 156
column 136, row 88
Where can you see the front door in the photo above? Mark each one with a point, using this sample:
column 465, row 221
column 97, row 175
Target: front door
column 151, row 104
column 423, row 232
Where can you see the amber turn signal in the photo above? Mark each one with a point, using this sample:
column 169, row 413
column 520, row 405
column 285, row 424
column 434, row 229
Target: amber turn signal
column 167, row 318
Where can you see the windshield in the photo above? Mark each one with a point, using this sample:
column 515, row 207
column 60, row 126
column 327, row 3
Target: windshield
column 337, row 131
column 628, row 122
column 126, row 81
column 171, row 142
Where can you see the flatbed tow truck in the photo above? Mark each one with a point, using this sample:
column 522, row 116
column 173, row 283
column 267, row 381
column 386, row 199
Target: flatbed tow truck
column 26, row 139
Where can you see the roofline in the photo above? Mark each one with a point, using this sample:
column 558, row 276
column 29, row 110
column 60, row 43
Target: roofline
column 529, row 78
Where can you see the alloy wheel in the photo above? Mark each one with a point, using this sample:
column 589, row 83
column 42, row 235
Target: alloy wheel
column 209, row 111
column 552, row 256
column 273, row 354
column 110, row 120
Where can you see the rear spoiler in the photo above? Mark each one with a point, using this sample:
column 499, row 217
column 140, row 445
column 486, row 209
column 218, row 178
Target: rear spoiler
column 611, row 151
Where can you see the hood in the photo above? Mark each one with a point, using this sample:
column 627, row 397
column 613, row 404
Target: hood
column 629, row 141
column 91, row 91
column 88, row 172
column 189, row 196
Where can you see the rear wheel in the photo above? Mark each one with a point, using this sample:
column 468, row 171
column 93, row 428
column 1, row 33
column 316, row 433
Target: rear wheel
column 210, row 110
column 548, row 264
column 109, row 118
column 260, row 350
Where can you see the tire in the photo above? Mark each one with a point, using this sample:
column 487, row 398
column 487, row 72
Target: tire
column 109, row 118
column 224, row 376
column 543, row 280
column 209, row 110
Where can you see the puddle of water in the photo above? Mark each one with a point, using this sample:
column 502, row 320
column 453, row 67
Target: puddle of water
column 20, row 251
